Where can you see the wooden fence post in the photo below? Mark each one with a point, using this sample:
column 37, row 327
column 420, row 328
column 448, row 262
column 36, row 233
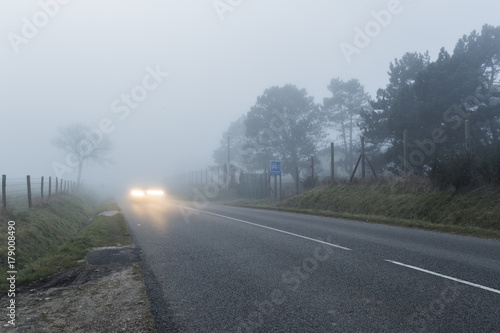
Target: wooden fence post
column 41, row 188
column 28, row 181
column 50, row 186
column 332, row 167
column 4, row 194
column 313, row 183
column 280, row 194
column 405, row 157
column 467, row 135
column 363, row 158
column 297, row 182
column 57, row 185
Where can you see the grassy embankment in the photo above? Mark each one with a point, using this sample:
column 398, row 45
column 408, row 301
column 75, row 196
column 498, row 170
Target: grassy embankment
column 402, row 203
column 55, row 235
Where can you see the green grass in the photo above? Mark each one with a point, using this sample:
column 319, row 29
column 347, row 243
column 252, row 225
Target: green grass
column 474, row 213
column 55, row 235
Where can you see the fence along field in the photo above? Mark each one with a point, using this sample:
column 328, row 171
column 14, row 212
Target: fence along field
column 23, row 193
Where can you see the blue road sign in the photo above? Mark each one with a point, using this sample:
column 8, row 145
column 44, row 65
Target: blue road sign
column 275, row 168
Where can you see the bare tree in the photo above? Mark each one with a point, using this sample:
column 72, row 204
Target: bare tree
column 81, row 144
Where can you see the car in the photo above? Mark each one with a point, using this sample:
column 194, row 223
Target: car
column 147, row 194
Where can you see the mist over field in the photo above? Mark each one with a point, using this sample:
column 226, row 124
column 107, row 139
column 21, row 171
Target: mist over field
column 162, row 82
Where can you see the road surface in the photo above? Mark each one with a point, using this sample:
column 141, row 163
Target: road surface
column 216, row 268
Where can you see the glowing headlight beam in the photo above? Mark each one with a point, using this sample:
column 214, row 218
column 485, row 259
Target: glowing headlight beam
column 154, row 192
column 137, row 193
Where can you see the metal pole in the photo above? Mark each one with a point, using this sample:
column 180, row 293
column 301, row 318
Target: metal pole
column 280, row 196
column 275, row 189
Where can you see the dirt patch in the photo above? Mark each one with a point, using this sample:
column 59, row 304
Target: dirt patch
column 106, row 295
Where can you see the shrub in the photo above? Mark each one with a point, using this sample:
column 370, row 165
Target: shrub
column 458, row 170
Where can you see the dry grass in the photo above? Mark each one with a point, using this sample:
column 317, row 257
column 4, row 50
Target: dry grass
column 411, row 202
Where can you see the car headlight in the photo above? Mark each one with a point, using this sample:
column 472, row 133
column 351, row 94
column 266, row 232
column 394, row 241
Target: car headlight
column 155, row 192
column 137, row 193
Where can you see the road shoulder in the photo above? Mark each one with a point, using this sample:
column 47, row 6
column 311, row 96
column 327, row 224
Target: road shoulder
column 108, row 294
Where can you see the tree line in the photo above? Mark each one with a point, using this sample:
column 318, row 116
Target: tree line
column 445, row 114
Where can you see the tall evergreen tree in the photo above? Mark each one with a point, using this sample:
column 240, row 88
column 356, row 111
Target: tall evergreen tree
column 343, row 110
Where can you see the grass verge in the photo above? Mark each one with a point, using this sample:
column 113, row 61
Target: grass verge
column 55, row 235
column 473, row 213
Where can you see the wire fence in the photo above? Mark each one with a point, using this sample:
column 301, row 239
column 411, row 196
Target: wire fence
column 264, row 185
column 23, row 193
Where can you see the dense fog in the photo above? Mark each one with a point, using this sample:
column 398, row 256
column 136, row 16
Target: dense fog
column 162, row 81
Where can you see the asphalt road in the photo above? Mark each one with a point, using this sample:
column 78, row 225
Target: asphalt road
column 228, row 269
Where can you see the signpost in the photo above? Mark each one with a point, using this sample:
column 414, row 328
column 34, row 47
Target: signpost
column 275, row 171
column 275, row 168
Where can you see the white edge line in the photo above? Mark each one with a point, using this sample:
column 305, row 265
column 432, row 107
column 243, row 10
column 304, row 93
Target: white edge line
column 265, row 227
column 445, row 276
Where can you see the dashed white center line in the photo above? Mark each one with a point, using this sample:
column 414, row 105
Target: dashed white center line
column 346, row 248
column 269, row 228
column 445, row 276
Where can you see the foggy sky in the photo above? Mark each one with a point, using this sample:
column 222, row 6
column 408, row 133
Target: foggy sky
column 86, row 56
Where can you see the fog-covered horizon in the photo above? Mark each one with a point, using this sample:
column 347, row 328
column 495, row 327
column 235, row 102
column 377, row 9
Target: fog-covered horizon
column 193, row 66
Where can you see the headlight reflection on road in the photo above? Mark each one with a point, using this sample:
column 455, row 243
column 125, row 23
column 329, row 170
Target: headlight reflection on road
column 153, row 210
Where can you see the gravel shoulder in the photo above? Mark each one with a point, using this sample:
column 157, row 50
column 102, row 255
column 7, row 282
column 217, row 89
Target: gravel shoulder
column 107, row 294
